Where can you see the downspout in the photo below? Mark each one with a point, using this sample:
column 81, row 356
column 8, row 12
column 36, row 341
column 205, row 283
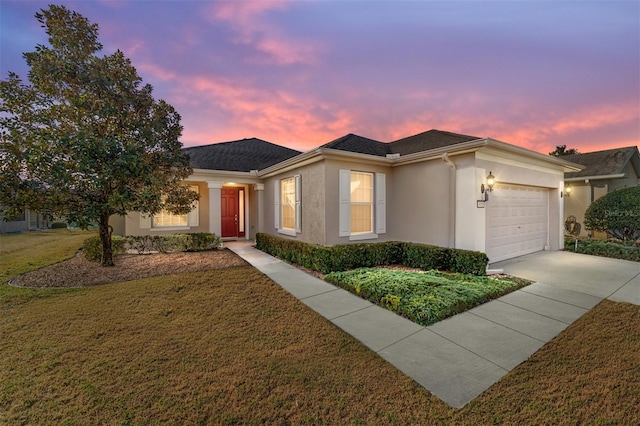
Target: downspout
column 452, row 200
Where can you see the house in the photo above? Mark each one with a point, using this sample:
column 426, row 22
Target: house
column 27, row 221
column 604, row 171
column 428, row 188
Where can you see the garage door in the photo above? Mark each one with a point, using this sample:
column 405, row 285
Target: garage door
column 517, row 221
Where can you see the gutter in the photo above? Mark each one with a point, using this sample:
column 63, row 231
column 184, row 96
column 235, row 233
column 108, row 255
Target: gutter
column 601, row 177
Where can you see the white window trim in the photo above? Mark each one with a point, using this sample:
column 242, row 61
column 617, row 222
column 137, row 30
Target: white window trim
column 379, row 207
column 298, row 207
column 193, row 219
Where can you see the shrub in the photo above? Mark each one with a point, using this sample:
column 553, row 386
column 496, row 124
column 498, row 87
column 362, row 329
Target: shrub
column 613, row 249
column 58, row 225
column 350, row 256
column 617, row 213
column 92, row 247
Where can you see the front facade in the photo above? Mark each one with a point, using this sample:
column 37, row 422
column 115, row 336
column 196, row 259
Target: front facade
column 429, row 188
column 603, row 172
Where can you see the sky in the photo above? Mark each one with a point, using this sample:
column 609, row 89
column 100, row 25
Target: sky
column 302, row 73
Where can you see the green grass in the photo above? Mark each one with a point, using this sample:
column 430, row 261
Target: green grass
column 231, row 347
column 21, row 253
column 423, row 297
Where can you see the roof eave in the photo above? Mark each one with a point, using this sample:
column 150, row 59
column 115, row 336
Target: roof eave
column 567, row 166
column 601, row 177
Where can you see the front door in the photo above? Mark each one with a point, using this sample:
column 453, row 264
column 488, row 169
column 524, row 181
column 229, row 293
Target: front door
column 229, row 209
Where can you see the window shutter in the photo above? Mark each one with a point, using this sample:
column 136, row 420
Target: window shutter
column 145, row 221
column 193, row 217
column 381, row 203
column 345, row 203
column 276, row 196
column 298, row 203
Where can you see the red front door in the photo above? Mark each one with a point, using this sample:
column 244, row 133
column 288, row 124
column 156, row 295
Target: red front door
column 229, row 209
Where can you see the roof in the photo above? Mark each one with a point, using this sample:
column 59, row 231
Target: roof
column 604, row 163
column 241, row 156
column 428, row 140
column 362, row 145
column 417, row 143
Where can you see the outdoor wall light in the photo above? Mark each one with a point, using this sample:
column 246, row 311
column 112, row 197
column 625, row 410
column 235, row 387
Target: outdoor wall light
column 491, row 180
column 567, row 191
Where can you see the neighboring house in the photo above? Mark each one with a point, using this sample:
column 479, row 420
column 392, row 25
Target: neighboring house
column 27, row 221
column 426, row 188
column 604, row 171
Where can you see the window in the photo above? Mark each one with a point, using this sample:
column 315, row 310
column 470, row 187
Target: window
column 287, row 205
column 166, row 220
column 361, row 185
column 362, row 204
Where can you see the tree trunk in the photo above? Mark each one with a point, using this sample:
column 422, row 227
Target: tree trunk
column 105, row 238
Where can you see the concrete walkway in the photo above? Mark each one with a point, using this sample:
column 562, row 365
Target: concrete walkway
column 459, row 358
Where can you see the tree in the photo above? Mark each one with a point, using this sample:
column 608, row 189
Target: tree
column 617, row 213
column 86, row 139
column 561, row 150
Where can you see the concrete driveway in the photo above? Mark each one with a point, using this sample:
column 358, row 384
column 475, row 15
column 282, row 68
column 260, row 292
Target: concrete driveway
column 614, row 279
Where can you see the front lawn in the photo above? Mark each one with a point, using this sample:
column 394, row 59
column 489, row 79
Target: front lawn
column 424, row 297
column 231, row 347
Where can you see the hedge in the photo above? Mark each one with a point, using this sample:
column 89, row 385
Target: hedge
column 92, row 247
column 326, row 259
column 613, row 249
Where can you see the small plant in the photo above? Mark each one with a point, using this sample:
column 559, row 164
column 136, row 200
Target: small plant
column 58, row 225
column 613, row 249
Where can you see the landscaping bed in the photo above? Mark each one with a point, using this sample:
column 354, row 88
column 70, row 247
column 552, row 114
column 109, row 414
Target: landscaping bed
column 424, row 297
column 604, row 248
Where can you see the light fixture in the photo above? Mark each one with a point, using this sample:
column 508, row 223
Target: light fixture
column 567, row 191
column 491, row 180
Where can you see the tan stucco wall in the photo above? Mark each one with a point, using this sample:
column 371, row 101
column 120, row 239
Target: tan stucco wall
column 132, row 220
column 419, row 204
column 332, row 199
column 312, row 179
column 630, row 179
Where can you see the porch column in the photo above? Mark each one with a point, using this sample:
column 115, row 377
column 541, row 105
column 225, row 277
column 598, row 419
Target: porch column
column 259, row 188
column 215, row 211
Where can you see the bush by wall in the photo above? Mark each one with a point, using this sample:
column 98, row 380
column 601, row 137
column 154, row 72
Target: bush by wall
column 58, row 225
column 617, row 213
column 350, row 256
column 613, row 249
column 201, row 241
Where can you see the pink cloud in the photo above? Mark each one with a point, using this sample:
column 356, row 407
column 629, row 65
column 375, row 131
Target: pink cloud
column 252, row 29
column 155, row 71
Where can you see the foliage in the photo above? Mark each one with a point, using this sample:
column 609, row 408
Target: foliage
column 613, row 249
column 58, row 225
column 144, row 244
column 423, row 297
column 561, row 150
column 85, row 139
column 617, row 213
column 328, row 259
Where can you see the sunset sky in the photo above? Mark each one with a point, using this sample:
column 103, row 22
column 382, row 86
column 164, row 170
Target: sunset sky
column 302, row 73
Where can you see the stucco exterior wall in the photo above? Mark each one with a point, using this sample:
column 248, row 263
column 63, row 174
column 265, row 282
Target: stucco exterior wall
column 312, row 180
column 630, row 179
column 332, row 199
column 132, row 220
column 420, row 203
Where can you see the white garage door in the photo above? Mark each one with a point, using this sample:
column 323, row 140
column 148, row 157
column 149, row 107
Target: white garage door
column 517, row 221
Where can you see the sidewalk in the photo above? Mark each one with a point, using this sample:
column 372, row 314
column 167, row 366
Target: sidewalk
column 455, row 359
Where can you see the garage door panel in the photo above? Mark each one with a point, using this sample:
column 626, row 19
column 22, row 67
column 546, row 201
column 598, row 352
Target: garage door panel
column 517, row 221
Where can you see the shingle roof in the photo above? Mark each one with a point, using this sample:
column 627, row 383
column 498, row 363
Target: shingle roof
column 362, row 145
column 601, row 163
column 430, row 139
column 242, row 155
column 417, row 143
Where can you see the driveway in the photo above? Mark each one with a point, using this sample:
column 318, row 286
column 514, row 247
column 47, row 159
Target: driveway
column 614, row 279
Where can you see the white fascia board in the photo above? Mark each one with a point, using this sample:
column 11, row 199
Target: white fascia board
column 319, row 154
column 200, row 175
column 530, row 156
column 590, row 178
column 436, row 154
